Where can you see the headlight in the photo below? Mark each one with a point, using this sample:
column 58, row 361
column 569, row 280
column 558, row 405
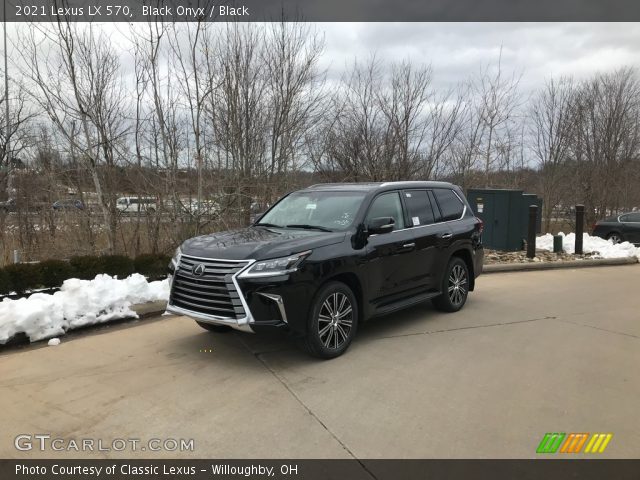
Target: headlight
column 176, row 258
column 276, row 266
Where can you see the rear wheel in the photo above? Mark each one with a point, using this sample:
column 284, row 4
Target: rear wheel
column 455, row 286
column 215, row 328
column 333, row 321
column 614, row 238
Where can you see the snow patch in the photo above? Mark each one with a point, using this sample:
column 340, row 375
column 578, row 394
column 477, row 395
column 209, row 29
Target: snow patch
column 78, row 303
column 53, row 342
column 604, row 248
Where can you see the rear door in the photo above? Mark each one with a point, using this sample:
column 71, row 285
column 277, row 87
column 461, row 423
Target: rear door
column 389, row 256
column 428, row 238
column 631, row 227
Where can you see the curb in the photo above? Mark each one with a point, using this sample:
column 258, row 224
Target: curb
column 523, row 267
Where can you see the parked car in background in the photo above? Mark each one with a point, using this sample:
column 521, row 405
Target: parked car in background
column 136, row 205
column 622, row 228
column 328, row 257
column 68, row 204
column 8, row 205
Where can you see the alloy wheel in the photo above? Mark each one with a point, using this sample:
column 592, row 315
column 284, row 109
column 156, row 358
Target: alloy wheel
column 457, row 290
column 335, row 320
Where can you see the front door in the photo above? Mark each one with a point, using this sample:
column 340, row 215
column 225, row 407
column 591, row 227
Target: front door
column 389, row 255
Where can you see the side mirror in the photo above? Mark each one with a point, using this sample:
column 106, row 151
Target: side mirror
column 381, row 225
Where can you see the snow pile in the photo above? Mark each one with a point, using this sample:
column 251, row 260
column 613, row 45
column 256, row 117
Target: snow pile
column 78, row 303
column 605, row 248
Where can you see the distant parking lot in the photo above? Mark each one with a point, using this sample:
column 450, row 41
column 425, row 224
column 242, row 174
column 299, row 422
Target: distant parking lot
column 531, row 353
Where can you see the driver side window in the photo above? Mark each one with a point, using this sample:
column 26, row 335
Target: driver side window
column 387, row 205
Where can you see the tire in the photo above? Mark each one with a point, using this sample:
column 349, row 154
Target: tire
column 215, row 328
column 614, row 237
column 455, row 286
column 328, row 334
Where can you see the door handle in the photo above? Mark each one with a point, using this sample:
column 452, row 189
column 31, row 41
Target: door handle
column 409, row 245
column 446, row 236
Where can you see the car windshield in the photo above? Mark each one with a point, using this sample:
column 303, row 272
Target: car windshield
column 319, row 210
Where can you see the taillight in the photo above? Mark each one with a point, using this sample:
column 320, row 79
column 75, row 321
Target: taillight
column 480, row 225
column 593, row 227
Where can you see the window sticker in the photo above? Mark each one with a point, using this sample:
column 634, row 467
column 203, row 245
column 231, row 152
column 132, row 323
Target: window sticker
column 416, row 221
column 311, row 206
column 408, row 195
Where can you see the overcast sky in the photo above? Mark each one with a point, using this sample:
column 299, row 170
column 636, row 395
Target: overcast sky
column 457, row 50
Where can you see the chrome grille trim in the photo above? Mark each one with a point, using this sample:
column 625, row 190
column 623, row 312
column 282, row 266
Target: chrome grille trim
column 214, row 297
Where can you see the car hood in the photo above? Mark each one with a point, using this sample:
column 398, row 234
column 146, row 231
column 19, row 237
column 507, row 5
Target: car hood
column 259, row 243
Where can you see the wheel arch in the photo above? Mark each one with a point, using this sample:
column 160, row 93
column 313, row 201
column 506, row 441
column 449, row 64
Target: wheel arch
column 352, row 281
column 614, row 231
column 465, row 255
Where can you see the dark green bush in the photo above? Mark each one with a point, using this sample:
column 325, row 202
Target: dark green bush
column 152, row 265
column 54, row 272
column 117, row 265
column 23, row 276
column 87, row 267
column 5, row 282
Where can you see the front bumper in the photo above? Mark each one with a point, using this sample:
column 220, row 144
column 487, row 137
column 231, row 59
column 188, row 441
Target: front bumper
column 268, row 302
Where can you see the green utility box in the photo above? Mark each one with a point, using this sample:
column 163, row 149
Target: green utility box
column 505, row 214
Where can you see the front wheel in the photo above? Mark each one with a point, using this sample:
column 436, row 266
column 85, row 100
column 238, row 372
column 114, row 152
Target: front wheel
column 614, row 238
column 455, row 286
column 333, row 321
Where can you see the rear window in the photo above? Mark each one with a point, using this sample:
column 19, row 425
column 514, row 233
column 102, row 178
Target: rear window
column 630, row 217
column 419, row 207
column 450, row 205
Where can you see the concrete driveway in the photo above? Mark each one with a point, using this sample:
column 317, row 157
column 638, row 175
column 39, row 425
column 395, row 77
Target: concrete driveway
column 534, row 352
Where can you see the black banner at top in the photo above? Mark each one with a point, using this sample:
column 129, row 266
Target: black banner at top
column 322, row 10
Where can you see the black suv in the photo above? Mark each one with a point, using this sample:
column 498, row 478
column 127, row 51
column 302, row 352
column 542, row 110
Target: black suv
column 323, row 259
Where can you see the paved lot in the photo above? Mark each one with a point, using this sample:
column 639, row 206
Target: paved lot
column 531, row 353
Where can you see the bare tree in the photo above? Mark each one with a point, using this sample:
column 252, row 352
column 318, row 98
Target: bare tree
column 552, row 129
column 499, row 100
column 21, row 115
column 607, row 139
column 295, row 94
column 76, row 83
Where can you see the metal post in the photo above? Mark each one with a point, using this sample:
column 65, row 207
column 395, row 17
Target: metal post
column 7, row 148
column 6, row 83
column 579, row 228
column 531, row 233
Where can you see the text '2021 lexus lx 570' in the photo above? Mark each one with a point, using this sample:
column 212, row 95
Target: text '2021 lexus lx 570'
column 324, row 259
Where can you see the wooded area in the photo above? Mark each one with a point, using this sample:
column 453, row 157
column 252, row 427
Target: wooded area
column 234, row 115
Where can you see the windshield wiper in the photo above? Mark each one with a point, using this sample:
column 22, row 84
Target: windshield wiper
column 310, row 227
column 266, row 224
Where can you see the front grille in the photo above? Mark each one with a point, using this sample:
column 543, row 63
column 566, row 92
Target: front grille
column 213, row 292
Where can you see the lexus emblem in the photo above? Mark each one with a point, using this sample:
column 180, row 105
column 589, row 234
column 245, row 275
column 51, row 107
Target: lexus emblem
column 198, row 270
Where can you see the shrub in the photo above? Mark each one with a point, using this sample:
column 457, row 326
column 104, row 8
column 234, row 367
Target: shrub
column 117, row 265
column 152, row 265
column 87, row 267
column 54, row 272
column 5, row 282
column 23, row 276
